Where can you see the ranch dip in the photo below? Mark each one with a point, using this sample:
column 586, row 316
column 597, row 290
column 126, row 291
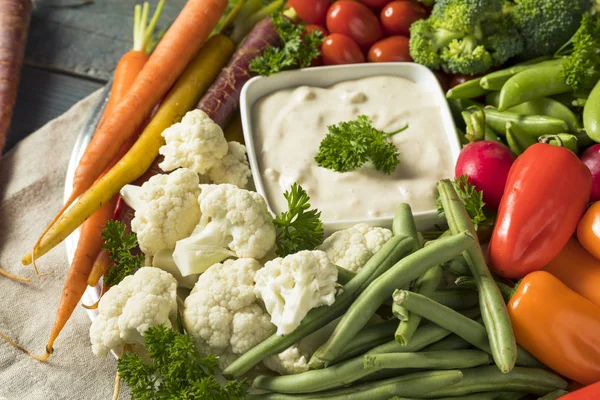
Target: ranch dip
column 290, row 124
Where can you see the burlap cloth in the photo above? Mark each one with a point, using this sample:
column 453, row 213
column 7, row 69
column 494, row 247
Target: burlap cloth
column 32, row 177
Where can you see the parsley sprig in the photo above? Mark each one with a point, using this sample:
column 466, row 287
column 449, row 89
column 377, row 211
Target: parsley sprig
column 349, row 145
column 175, row 371
column 470, row 197
column 297, row 49
column 119, row 246
column 298, row 228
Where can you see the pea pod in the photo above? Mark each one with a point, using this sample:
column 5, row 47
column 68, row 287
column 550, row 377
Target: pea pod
column 496, row 80
column 489, row 379
column 467, row 90
column 591, row 114
column 565, row 140
column 534, row 125
column 518, row 141
column 531, row 84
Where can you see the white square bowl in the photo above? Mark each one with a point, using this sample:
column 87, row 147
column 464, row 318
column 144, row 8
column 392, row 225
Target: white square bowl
column 324, row 77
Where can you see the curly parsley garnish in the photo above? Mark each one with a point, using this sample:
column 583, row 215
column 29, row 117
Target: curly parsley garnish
column 349, row 145
column 297, row 49
column 470, row 197
column 119, row 246
column 298, row 228
column 175, row 371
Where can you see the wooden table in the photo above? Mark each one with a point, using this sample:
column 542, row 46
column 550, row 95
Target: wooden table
column 72, row 50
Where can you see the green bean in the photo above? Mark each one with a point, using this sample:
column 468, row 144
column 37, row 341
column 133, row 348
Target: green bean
column 452, row 342
column 496, row 80
column 591, row 114
column 493, row 310
column 531, row 84
column 510, row 396
column 344, row 275
column 468, row 329
column 352, row 370
column 566, row 140
column 518, row 140
column 403, row 272
column 466, row 90
column 554, row 395
column 535, row 125
column 456, row 299
column 458, row 266
column 490, row 379
column 469, row 281
column 368, row 338
column 411, row 385
column 386, row 257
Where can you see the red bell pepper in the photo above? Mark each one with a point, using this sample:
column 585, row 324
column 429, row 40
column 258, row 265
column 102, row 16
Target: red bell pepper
column 591, row 392
column 546, row 194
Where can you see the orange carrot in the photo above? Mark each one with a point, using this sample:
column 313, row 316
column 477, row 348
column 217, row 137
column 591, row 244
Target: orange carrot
column 126, row 72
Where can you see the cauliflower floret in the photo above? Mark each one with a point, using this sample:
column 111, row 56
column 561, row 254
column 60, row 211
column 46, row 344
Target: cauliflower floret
column 222, row 312
column 290, row 287
column 196, row 143
column 147, row 298
column 234, row 222
column 166, row 209
column 289, row 362
column 351, row 248
column 233, row 168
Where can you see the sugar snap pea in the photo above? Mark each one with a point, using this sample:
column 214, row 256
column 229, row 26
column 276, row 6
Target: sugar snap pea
column 493, row 310
column 410, row 385
column 535, row 125
column 386, row 257
column 591, row 114
column 467, row 90
column 352, row 370
column 531, row 84
column 518, row 140
column 565, row 140
column 404, row 271
column 496, row 80
column 490, row 379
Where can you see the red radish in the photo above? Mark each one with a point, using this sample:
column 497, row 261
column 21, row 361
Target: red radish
column 591, row 158
column 14, row 24
column 486, row 163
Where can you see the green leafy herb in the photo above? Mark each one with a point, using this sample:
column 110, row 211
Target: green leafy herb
column 119, row 246
column 297, row 48
column 349, row 145
column 470, row 197
column 175, row 371
column 298, row 228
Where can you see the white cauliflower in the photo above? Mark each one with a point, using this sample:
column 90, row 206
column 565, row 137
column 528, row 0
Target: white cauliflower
column 222, row 312
column 233, row 168
column 234, row 222
column 140, row 301
column 166, row 209
column 290, row 287
column 164, row 260
column 351, row 248
column 196, row 143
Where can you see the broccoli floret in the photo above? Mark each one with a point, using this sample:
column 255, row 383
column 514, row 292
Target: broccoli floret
column 581, row 69
column 465, row 36
column 546, row 24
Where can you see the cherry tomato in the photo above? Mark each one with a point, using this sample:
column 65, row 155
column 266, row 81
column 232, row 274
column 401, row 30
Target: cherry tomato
column 340, row 49
column 356, row 21
column 444, row 80
column 457, row 79
column 311, row 11
column 375, row 3
column 390, row 49
column 398, row 16
column 317, row 61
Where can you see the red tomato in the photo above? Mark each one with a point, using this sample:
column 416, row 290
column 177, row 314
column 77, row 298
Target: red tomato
column 458, row 79
column 311, row 11
column 317, row 61
column 398, row 16
column 393, row 48
column 340, row 49
column 356, row 21
column 375, row 3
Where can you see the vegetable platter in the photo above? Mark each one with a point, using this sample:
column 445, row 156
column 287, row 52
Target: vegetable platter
column 422, row 224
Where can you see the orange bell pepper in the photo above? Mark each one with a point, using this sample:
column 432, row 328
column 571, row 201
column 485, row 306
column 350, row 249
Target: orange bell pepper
column 558, row 326
column 547, row 191
column 588, row 230
column 577, row 269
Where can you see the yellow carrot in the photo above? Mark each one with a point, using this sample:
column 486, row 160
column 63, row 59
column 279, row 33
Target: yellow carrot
column 195, row 80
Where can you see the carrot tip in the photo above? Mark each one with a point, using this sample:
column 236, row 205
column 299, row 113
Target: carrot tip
column 24, row 350
column 14, row 277
column 27, row 259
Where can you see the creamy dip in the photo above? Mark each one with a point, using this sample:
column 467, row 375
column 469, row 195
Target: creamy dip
column 290, row 124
